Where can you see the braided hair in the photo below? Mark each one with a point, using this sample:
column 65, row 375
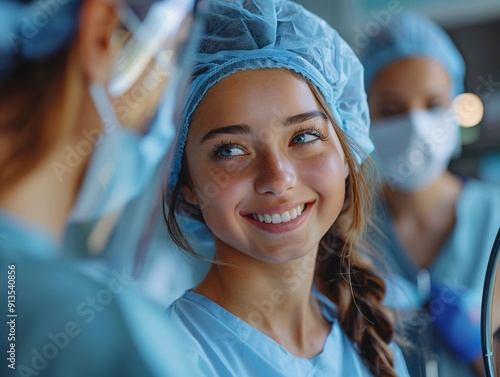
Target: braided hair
column 348, row 277
column 343, row 274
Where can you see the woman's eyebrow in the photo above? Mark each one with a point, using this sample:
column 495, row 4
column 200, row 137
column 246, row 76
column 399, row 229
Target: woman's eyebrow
column 387, row 93
column 231, row 130
column 304, row 117
column 246, row 129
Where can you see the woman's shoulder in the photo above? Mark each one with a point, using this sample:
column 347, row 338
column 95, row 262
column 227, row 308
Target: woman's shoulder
column 20, row 238
column 202, row 320
column 481, row 191
column 186, row 316
column 185, row 310
column 479, row 201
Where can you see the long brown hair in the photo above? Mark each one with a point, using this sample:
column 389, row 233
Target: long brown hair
column 343, row 273
column 347, row 276
column 26, row 100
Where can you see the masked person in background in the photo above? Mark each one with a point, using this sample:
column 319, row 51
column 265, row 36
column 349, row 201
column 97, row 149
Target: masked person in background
column 82, row 145
column 437, row 228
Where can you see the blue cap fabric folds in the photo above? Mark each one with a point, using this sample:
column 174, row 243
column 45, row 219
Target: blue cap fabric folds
column 253, row 34
column 411, row 34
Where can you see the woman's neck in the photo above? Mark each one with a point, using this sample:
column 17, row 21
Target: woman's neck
column 43, row 198
column 275, row 298
column 424, row 205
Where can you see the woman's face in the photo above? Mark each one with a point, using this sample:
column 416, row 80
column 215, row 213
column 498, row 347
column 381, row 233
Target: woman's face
column 409, row 84
column 266, row 166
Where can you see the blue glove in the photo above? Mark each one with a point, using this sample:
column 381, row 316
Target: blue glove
column 456, row 314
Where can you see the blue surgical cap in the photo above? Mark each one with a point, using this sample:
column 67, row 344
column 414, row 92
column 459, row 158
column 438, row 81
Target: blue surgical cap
column 34, row 30
column 407, row 35
column 255, row 34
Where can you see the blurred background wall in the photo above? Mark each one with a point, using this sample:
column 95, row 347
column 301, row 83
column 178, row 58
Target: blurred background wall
column 474, row 26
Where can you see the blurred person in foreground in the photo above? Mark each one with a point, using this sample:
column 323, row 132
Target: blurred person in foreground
column 87, row 96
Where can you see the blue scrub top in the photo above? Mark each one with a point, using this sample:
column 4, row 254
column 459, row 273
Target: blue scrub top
column 72, row 323
column 18, row 236
column 461, row 263
column 222, row 344
column 488, row 167
column 60, row 333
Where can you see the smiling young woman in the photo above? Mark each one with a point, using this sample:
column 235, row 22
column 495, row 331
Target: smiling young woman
column 273, row 159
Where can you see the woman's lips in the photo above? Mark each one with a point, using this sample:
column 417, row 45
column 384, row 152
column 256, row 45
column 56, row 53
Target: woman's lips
column 281, row 222
column 277, row 218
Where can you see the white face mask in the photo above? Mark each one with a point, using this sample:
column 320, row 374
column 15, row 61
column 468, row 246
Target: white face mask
column 413, row 150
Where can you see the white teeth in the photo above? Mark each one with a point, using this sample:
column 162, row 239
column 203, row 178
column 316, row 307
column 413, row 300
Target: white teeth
column 285, row 217
column 276, row 218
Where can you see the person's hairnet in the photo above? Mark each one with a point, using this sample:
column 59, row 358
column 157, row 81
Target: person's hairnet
column 34, row 30
column 254, row 34
column 407, row 35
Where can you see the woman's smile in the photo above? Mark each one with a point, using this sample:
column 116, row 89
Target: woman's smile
column 277, row 220
column 281, row 192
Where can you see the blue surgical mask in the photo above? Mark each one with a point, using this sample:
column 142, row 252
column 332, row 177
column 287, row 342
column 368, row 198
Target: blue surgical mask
column 413, row 150
column 124, row 160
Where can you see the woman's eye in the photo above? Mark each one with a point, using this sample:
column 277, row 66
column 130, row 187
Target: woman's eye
column 226, row 149
column 230, row 151
column 304, row 138
column 386, row 112
column 436, row 105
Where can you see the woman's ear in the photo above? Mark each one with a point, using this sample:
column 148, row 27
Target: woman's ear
column 98, row 21
column 346, row 170
column 189, row 195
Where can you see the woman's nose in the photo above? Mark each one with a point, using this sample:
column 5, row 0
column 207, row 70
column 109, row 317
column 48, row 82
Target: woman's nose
column 276, row 174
